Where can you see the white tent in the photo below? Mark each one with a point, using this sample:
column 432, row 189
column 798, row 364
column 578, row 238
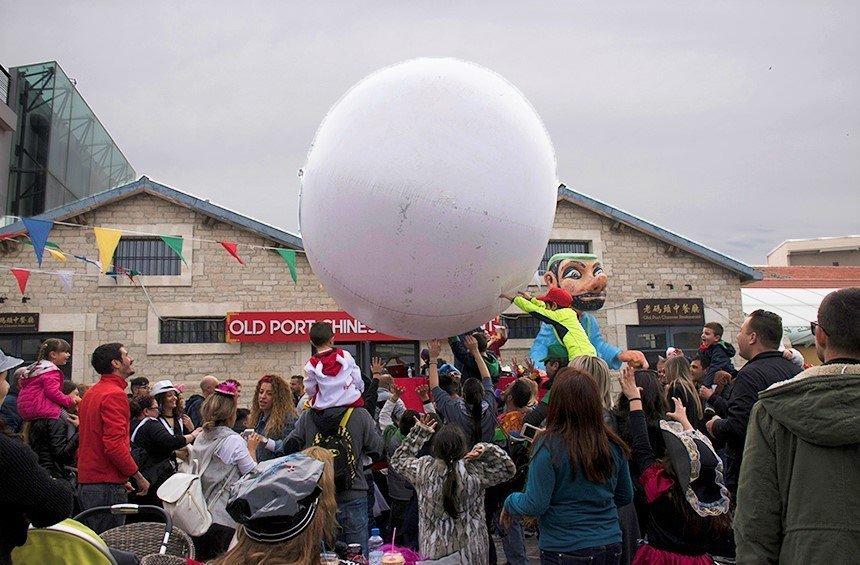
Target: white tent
column 797, row 306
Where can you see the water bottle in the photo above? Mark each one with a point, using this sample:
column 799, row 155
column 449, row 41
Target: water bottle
column 374, row 546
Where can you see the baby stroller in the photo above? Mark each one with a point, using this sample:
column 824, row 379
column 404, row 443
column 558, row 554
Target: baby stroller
column 154, row 543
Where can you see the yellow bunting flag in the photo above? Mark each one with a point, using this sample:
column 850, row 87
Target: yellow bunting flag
column 56, row 254
column 107, row 239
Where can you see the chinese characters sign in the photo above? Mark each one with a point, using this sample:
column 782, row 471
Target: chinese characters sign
column 671, row 311
column 14, row 323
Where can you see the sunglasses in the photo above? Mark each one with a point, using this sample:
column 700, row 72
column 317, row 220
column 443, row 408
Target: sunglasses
column 813, row 325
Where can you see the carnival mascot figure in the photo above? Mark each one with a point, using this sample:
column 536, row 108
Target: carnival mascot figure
column 582, row 275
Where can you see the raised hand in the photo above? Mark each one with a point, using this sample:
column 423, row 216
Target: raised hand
column 471, row 343
column 423, row 392
column 435, row 348
column 706, row 392
column 428, row 421
column 679, row 414
column 376, row 365
column 628, row 383
column 396, row 392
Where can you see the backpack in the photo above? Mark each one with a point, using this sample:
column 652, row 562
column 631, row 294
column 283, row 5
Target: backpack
column 340, row 445
column 182, row 495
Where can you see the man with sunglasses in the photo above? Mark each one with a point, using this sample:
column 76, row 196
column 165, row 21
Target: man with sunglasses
column 758, row 342
column 797, row 497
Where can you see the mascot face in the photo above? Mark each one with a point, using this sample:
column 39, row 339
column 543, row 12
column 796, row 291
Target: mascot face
column 581, row 275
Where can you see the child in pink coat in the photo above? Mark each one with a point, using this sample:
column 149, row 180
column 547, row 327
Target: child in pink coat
column 40, row 394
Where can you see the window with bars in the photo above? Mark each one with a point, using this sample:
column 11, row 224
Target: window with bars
column 522, row 326
column 563, row 246
column 192, row 330
column 148, row 256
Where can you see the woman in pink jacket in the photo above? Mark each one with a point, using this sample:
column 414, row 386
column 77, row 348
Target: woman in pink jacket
column 40, row 393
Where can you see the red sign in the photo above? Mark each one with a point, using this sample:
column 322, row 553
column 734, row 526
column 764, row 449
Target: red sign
column 288, row 327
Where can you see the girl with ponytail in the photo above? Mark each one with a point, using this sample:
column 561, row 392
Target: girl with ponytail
column 475, row 411
column 40, row 393
column 450, row 485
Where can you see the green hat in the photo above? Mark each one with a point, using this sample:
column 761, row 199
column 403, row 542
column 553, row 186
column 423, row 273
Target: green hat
column 558, row 257
column 555, row 351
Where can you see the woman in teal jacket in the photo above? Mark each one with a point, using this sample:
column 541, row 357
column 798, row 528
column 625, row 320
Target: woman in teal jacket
column 577, row 479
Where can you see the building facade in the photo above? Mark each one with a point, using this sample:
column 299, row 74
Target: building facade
column 843, row 251
column 58, row 151
column 182, row 333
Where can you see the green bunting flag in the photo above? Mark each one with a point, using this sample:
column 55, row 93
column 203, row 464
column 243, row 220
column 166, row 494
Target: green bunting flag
column 289, row 257
column 175, row 243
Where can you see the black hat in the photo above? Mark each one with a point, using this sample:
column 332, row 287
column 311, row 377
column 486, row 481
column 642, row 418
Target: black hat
column 698, row 468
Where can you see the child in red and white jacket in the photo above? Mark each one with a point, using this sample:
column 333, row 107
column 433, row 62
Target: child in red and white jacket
column 40, row 394
column 332, row 377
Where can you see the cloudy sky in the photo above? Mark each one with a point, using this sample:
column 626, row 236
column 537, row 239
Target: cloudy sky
column 731, row 123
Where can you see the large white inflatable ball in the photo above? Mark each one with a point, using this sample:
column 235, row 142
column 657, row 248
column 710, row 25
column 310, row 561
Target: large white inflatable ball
column 429, row 189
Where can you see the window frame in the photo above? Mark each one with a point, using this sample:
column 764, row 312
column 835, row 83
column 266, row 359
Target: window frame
column 167, row 255
column 194, row 320
column 547, row 254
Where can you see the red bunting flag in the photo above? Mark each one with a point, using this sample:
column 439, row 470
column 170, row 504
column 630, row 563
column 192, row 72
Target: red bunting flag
column 231, row 249
column 22, row 275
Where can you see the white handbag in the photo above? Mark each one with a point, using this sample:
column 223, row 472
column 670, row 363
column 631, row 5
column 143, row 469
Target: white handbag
column 183, row 499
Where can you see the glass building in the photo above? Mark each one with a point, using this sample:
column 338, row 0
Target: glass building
column 60, row 151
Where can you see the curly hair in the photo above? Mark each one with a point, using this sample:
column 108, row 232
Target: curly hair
column 282, row 409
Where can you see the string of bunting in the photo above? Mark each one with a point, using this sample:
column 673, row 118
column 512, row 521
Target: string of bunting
column 107, row 240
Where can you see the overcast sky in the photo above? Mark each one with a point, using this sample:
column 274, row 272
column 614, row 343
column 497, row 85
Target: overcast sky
column 732, row 124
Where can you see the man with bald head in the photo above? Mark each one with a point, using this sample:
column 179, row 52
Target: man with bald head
column 193, row 404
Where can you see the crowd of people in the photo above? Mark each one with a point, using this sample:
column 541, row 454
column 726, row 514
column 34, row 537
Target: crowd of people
column 695, row 461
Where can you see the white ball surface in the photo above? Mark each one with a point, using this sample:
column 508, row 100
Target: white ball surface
column 429, row 189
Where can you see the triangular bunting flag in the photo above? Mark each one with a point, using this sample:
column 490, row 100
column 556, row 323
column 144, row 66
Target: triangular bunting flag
column 106, row 240
column 175, row 243
column 38, row 231
column 57, row 254
column 231, row 249
column 289, row 257
column 66, row 279
column 22, row 275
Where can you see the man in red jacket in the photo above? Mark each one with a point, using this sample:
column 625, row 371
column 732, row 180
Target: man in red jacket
column 105, row 464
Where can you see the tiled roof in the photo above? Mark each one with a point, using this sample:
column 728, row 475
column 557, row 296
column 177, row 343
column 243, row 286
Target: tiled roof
column 807, row 276
column 145, row 185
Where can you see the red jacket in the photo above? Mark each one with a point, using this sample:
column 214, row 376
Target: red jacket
column 104, row 452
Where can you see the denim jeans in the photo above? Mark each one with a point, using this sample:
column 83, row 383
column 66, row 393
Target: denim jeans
column 353, row 517
column 514, row 543
column 102, row 494
column 601, row 555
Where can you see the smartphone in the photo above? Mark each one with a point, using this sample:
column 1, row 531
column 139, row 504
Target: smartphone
column 529, row 432
column 247, row 433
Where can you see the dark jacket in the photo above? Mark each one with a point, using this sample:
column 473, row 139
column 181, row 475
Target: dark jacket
column 759, row 373
column 192, row 408
column 362, row 428
column 465, row 363
column 30, row 494
column 718, row 357
column 453, row 410
column 9, row 413
column 799, row 483
column 54, row 447
column 159, row 443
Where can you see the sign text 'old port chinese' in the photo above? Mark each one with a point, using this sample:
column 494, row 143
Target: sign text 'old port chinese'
column 294, row 327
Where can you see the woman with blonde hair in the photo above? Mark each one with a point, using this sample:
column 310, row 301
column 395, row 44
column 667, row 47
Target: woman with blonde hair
column 680, row 385
column 223, row 458
column 599, row 370
column 273, row 415
column 292, row 536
